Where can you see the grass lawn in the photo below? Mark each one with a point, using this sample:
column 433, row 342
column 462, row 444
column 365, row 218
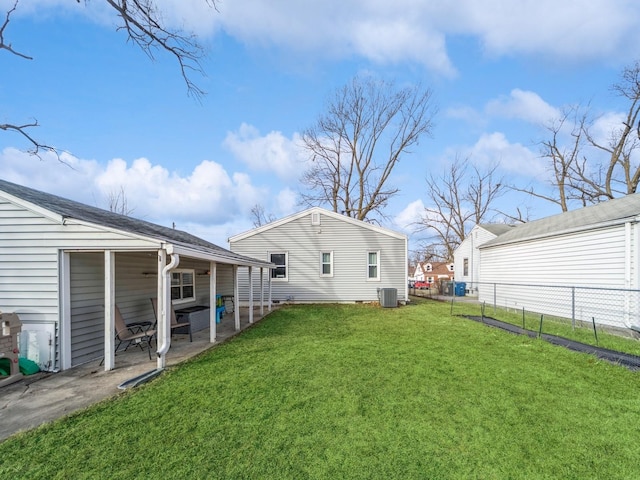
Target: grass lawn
column 356, row 391
column 581, row 332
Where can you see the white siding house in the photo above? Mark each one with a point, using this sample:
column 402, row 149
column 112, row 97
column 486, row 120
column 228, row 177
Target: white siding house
column 322, row 256
column 595, row 249
column 466, row 257
column 64, row 266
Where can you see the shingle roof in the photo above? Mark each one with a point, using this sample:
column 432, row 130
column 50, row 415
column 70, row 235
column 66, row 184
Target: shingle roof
column 497, row 228
column 616, row 210
column 86, row 213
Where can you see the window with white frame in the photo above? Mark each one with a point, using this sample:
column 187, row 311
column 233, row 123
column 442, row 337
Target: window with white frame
column 183, row 286
column 465, row 267
column 373, row 265
column 280, row 259
column 326, row 264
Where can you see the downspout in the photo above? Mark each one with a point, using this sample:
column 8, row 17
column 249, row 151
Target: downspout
column 164, row 308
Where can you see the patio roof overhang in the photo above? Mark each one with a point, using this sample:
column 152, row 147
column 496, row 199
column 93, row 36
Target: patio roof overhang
column 226, row 257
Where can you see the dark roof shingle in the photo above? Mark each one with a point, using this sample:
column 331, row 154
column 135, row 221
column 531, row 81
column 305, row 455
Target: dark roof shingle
column 86, row 213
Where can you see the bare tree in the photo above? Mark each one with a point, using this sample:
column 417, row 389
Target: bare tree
column 563, row 150
column 143, row 25
column 458, row 199
column 587, row 169
column 260, row 217
column 118, row 202
column 368, row 126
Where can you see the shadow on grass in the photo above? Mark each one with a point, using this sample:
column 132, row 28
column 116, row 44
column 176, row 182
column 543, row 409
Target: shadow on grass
column 632, row 362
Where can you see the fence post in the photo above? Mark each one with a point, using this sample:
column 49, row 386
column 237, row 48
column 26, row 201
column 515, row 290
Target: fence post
column 573, row 308
column 540, row 329
column 494, row 298
column 595, row 332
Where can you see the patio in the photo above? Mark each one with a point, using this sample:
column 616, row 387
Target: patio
column 43, row 397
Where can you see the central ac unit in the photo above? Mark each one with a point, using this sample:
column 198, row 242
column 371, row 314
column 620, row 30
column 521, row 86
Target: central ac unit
column 388, row 297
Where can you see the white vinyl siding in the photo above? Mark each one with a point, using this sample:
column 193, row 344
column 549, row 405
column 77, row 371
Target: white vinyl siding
column 560, row 260
column 469, row 249
column 87, row 307
column 349, row 242
column 594, row 258
column 30, row 253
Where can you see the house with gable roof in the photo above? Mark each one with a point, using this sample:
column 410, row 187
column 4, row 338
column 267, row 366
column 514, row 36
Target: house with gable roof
column 433, row 273
column 466, row 258
column 64, row 266
column 323, row 256
column 595, row 247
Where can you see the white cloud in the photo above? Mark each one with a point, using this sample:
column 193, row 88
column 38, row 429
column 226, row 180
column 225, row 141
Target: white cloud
column 414, row 30
column 562, row 30
column 49, row 174
column 406, row 220
column 605, row 124
column 272, row 152
column 513, row 158
column 208, row 199
column 523, row 105
column 286, row 202
column 405, row 30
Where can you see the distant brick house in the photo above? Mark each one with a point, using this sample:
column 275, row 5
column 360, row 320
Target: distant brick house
column 433, row 272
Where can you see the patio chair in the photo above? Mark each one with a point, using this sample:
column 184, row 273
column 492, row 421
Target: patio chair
column 133, row 334
column 174, row 320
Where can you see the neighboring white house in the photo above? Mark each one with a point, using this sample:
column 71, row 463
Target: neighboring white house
column 466, row 257
column 322, row 256
column 595, row 250
column 64, row 266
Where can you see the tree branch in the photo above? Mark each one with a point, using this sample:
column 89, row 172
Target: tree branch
column 36, row 145
column 8, row 46
column 142, row 25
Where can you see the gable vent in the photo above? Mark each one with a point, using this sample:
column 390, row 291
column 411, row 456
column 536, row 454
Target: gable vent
column 315, row 218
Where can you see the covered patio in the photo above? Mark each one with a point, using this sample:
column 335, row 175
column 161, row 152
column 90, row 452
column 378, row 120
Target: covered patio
column 185, row 279
column 73, row 266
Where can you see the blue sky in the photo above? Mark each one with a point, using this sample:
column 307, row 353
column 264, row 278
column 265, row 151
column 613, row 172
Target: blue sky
column 499, row 70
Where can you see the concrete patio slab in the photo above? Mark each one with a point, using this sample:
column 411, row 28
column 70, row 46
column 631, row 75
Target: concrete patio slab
column 44, row 397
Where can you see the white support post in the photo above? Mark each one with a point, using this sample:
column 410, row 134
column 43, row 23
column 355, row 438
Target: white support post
column 213, row 310
column 65, row 310
column 236, row 310
column 109, row 310
column 250, row 295
column 269, row 282
column 261, row 292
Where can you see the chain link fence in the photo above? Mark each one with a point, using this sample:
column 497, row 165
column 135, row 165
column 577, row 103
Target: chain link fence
column 614, row 308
